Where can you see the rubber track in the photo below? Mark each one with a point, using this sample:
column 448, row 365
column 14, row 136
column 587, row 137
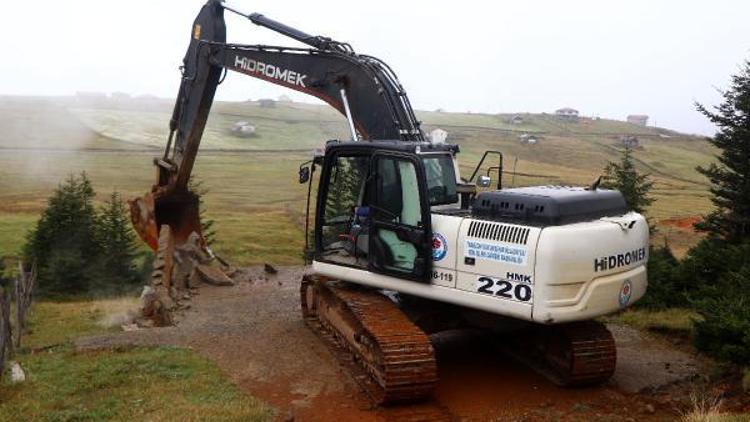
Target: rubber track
column 593, row 353
column 401, row 365
column 587, row 355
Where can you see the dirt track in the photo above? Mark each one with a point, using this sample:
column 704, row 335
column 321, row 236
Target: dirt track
column 254, row 332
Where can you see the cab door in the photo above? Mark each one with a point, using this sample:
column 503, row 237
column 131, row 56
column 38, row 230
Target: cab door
column 400, row 232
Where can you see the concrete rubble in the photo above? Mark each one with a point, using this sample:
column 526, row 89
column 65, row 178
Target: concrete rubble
column 186, row 267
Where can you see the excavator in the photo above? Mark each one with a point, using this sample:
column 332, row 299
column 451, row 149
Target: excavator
column 401, row 245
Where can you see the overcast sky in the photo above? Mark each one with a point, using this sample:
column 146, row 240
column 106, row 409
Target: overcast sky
column 605, row 58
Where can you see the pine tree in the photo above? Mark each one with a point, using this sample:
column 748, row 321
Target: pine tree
column 623, row 176
column 730, row 178
column 117, row 245
column 64, row 242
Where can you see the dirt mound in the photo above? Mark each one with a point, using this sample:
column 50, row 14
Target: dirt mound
column 684, row 223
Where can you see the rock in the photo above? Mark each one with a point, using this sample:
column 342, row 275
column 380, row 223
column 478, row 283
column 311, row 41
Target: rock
column 268, row 268
column 145, row 323
column 147, row 290
column 650, row 409
column 230, row 271
column 213, row 276
column 155, row 308
column 289, row 417
column 130, row 327
column 16, row 373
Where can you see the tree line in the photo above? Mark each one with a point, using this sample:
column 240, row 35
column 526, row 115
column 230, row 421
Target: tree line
column 82, row 249
column 714, row 277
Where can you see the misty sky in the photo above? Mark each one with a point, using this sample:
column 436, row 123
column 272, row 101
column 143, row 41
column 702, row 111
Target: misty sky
column 605, row 58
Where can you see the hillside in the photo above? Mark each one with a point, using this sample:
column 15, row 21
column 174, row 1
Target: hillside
column 253, row 191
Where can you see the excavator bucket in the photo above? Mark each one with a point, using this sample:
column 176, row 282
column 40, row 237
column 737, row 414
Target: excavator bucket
column 179, row 210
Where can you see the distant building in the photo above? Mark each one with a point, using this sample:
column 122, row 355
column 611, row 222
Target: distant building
column 284, row 99
column 567, row 114
column 516, row 119
column 638, row 119
column 267, row 103
column 630, row 141
column 438, row 136
column 244, row 129
column 529, row 139
column 120, row 96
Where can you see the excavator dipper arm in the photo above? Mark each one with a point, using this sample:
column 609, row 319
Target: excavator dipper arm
column 359, row 86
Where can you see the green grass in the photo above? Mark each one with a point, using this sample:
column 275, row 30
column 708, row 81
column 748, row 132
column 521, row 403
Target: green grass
column 133, row 384
column 55, row 323
column 13, row 229
column 667, row 321
column 153, row 384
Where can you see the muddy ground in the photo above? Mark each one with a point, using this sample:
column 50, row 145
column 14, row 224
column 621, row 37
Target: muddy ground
column 255, row 334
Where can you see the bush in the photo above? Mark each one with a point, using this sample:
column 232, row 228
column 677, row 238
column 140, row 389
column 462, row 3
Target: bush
column 664, row 291
column 719, row 274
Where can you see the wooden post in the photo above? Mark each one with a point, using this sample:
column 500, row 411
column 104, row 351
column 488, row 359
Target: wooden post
column 3, row 339
column 6, row 340
column 31, row 283
column 19, row 311
column 24, row 287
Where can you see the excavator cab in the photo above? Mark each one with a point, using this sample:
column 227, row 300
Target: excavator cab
column 374, row 205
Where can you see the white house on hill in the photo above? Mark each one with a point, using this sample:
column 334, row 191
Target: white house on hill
column 567, row 113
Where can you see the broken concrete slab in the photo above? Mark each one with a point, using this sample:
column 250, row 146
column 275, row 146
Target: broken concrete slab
column 213, row 276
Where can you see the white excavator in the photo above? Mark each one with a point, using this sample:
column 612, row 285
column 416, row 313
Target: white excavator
column 402, row 246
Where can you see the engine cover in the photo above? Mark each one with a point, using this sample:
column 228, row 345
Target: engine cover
column 548, row 205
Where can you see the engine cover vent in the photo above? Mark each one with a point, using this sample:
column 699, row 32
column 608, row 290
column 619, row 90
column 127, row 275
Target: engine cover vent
column 498, row 232
column 548, row 205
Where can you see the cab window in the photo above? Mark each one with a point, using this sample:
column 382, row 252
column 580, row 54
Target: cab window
column 441, row 179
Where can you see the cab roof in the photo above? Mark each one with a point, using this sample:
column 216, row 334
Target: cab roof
column 399, row 146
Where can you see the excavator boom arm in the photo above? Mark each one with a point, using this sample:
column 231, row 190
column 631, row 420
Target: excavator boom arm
column 361, row 87
column 379, row 107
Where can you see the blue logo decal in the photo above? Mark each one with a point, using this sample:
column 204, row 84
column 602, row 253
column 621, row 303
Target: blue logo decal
column 439, row 247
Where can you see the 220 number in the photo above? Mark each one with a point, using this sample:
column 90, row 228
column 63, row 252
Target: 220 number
column 506, row 289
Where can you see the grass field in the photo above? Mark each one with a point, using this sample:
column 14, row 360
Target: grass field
column 135, row 384
column 253, row 193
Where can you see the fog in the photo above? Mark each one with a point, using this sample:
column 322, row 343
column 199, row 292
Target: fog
column 606, row 59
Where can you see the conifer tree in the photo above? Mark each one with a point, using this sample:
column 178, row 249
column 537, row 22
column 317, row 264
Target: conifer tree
column 634, row 186
column 117, row 245
column 730, row 178
column 63, row 243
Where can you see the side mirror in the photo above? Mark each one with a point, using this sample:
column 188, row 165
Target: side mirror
column 483, row 181
column 304, row 174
